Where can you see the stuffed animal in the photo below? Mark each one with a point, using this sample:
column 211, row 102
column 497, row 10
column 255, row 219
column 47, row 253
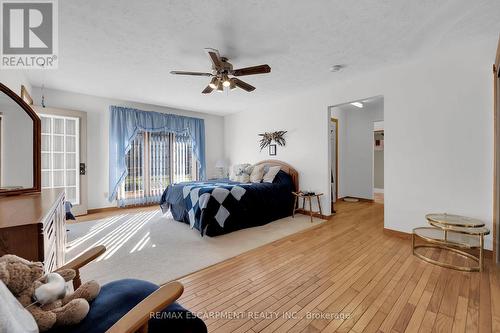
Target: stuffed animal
column 241, row 173
column 43, row 296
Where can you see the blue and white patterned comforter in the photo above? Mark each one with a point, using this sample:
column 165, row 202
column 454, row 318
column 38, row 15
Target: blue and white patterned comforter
column 221, row 206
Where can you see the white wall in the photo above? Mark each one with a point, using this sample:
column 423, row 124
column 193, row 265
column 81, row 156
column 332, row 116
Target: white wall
column 13, row 79
column 97, row 109
column 438, row 133
column 356, row 146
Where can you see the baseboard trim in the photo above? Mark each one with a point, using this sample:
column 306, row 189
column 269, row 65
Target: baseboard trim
column 112, row 209
column 407, row 236
column 396, row 233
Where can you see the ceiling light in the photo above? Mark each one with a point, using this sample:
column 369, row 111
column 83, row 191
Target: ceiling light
column 213, row 82
column 220, row 87
column 337, row 68
column 232, row 83
column 225, row 81
column 357, row 104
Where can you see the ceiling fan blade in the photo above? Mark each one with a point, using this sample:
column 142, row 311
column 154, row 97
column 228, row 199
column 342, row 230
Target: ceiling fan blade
column 190, row 73
column 215, row 57
column 261, row 69
column 243, row 85
column 207, row 90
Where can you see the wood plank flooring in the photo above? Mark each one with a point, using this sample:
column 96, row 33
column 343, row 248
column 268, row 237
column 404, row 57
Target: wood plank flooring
column 343, row 276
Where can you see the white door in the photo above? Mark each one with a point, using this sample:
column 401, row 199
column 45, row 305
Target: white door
column 64, row 154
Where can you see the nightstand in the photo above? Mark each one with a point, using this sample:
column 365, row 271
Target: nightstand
column 307, row 197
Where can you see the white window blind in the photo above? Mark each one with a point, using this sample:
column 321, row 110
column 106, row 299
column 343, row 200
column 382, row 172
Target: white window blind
column 155, row 160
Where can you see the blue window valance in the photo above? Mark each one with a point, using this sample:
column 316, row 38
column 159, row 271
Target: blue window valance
column 124, row 125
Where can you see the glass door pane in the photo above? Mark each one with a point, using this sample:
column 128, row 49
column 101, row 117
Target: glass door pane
column 60, row 155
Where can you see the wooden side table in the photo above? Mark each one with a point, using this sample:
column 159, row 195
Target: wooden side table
column 307, row 197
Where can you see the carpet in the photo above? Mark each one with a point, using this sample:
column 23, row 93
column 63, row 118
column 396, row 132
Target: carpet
column 152, row 246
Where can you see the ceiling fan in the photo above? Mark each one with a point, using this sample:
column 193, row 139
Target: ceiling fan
column 221, row 72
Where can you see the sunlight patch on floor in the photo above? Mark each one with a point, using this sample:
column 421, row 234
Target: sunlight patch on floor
column 115, row 237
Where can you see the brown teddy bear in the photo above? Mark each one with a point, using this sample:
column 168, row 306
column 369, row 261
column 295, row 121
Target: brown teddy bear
column 23, row 277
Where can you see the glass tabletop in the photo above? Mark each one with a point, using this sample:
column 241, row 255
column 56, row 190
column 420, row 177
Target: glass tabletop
column 454, row 220
column 438, row 236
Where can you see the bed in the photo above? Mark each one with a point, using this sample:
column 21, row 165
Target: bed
column 218, row 207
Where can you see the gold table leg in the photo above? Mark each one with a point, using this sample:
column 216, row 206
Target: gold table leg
column 481, row 259
column 449, row 247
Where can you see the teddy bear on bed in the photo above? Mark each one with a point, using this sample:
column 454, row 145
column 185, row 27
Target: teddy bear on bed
column 44, row 296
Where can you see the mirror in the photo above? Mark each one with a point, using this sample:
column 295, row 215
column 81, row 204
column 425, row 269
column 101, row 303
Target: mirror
column 19, row 145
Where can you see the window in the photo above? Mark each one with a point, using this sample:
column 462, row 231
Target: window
column 155, row 160
column 60, row 155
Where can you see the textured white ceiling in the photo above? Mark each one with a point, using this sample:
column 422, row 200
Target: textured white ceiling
column 125, row 49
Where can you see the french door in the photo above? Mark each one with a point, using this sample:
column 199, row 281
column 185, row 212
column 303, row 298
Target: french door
column 64, row 154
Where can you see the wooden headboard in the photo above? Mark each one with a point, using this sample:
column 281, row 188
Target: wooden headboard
column 286, row 168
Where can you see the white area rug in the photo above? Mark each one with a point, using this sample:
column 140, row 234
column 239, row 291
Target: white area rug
column 151, row 246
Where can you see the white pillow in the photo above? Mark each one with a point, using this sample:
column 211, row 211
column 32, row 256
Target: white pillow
column 270, row 174
column 14, row 318
column 257, row 174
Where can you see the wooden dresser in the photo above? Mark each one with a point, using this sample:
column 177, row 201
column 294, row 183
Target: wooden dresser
column 32, row 226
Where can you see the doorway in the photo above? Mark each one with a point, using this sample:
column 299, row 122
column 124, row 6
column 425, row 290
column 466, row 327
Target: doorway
column 64, row 154
column 351, row 148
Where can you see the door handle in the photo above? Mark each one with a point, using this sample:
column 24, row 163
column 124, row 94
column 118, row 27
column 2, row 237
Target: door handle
column 83, row 169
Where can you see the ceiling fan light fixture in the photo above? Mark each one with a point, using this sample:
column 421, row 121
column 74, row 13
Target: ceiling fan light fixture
column 222, row 70
column 213, row 83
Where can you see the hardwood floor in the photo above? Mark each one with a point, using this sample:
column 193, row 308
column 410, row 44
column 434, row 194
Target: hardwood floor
column 343, row 276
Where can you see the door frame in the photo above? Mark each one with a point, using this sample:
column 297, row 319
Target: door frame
column 496, row 156
column 336, row 121
column 82, row 208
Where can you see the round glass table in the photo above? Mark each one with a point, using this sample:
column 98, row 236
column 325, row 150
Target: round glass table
column 458, row 234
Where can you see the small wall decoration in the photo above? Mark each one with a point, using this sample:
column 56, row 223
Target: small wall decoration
column 272, row 150
column 268, row 138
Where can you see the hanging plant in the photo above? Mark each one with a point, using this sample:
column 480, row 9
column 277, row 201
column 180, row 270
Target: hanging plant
column 268, row 138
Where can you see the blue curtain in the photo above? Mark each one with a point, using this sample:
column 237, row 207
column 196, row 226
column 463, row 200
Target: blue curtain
column 126, row 122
